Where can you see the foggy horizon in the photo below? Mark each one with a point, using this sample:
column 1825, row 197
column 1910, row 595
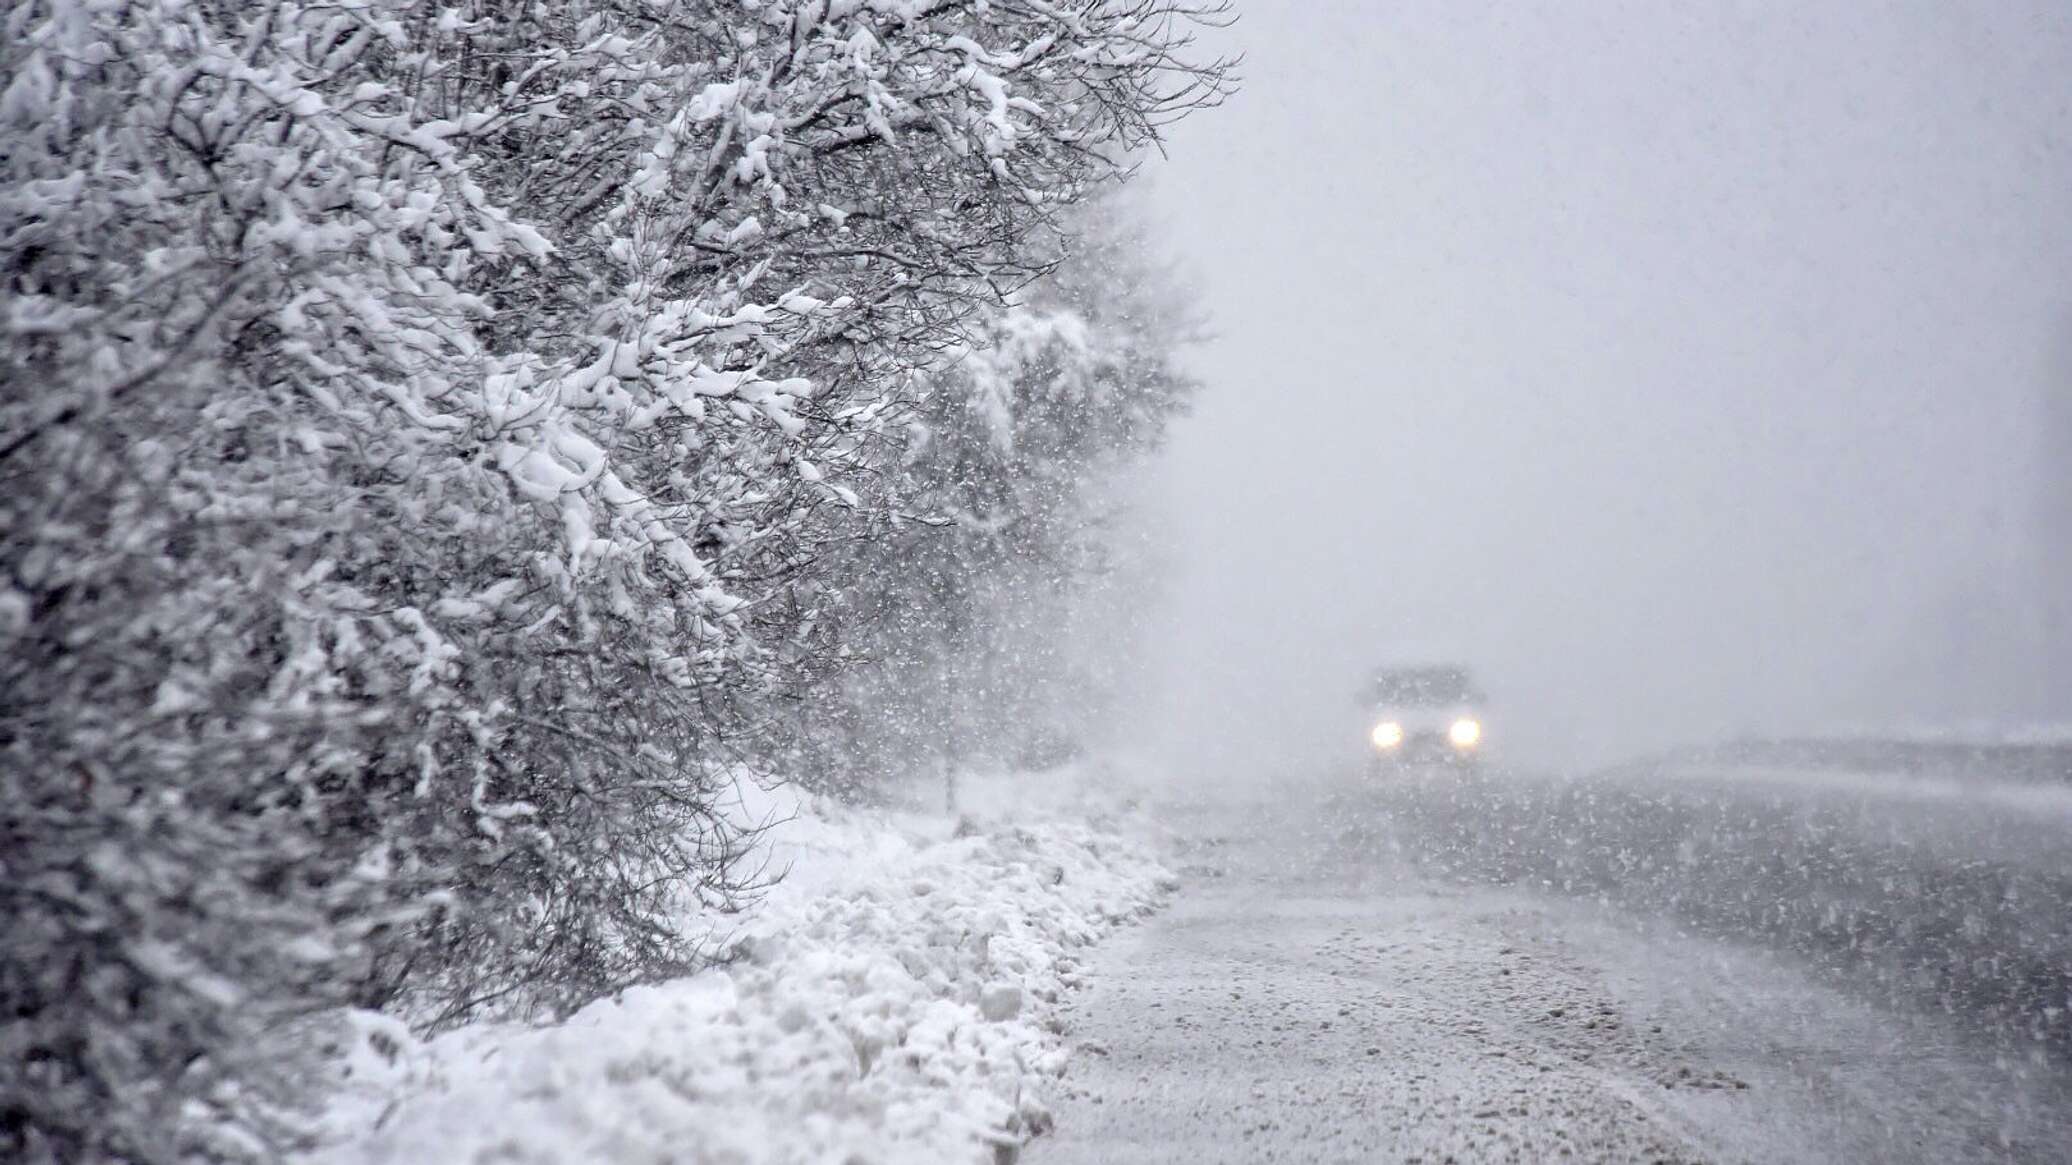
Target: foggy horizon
column 1681, row 371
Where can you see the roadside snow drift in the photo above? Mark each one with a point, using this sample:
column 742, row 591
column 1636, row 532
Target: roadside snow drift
column 889, row 1003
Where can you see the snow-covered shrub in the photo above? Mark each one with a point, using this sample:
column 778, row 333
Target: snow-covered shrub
column 420, row 424
column 1007, row 471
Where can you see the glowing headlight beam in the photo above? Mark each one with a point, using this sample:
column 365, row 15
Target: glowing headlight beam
column 1387, row 734
column 1465, row 733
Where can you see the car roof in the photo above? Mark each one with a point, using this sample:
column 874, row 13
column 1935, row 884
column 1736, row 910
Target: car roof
column 1422, row 684
column 1419, row 669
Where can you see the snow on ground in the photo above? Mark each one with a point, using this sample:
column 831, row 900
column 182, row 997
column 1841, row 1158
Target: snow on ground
column 2027, row 797
column 1964, row 732
column 893, row 1001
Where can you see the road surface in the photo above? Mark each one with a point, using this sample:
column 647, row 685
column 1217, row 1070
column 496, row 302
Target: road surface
column 1663, row 964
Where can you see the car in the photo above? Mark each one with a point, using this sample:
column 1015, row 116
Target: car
column 1424, row 714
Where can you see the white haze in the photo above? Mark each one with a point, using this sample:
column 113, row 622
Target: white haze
column 1677, row 366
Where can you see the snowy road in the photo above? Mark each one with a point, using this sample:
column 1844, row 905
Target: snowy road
column 1652, row 966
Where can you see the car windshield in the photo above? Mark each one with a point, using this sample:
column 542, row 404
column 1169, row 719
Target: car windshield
column 1421, row 686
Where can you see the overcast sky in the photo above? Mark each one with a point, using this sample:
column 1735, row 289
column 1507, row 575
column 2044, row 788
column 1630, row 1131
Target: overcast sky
column 1676, row 365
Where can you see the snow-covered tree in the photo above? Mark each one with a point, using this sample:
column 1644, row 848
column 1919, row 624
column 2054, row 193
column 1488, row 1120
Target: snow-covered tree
column 422, row 427
column 1009, row 470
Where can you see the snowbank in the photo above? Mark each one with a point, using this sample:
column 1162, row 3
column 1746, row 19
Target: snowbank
column 889, row 1003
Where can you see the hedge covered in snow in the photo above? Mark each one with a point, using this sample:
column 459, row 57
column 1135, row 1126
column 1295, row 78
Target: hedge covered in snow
column 439, row 438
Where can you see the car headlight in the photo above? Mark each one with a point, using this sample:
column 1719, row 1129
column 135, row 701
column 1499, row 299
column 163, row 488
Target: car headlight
column 1387, row 734
column 1465, row 733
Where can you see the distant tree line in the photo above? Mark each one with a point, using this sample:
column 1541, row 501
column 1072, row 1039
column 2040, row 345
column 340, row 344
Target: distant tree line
column 442, row 444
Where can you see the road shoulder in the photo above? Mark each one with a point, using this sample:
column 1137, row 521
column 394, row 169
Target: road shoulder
column 1408, row 1025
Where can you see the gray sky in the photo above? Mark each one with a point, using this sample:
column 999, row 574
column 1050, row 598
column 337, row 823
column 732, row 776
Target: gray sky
column 1674, row 364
